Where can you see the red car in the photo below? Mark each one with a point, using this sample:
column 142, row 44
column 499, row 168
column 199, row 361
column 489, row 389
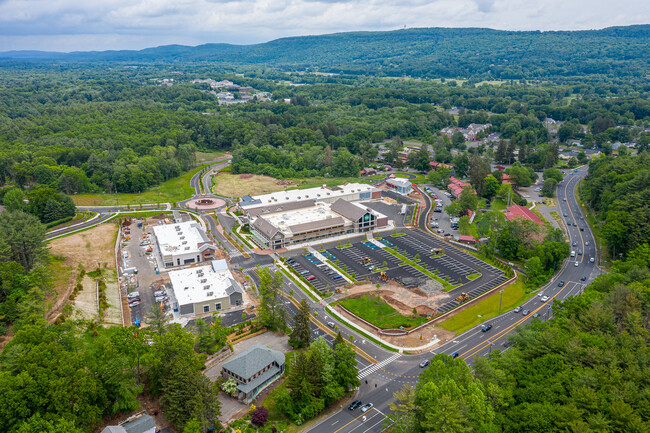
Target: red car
column 311, row 277
column 435, row 197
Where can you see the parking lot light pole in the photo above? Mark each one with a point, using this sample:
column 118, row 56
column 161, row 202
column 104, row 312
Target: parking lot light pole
column 500, row 296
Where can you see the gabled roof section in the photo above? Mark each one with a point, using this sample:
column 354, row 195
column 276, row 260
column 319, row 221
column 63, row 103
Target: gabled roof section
column 253, row 360
column 348, row 209
column 265, row 227
column 315, row 225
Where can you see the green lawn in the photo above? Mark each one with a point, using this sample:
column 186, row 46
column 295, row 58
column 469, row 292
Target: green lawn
column 171, row 191
column 474, row 276
column 513, row 295
column 329, row 181
column 402, row 175
column 498, row 204
column 420, row 178
column 209, row 155
column 376, row 176
column 378, row 312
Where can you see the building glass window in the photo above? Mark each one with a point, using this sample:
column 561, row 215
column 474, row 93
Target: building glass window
column 206, row 308
column 217, row 306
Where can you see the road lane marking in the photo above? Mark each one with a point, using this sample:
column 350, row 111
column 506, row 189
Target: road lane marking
column 363, row 414
column 507, row 330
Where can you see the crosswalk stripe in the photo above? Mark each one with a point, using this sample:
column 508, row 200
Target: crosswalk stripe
column 371, row 369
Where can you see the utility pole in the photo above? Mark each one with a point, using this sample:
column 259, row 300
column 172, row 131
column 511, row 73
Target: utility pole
column 500, row 296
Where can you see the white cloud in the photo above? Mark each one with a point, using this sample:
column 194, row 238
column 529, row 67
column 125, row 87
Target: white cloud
column 65, row 25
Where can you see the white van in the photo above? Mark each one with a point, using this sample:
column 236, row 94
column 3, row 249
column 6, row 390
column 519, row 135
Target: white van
column 573, row 253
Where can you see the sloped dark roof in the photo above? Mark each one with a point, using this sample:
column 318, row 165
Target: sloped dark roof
column 265, row 227
column 141, row 424
column 234, row 288
column 281, row 207
column 348, row 210
column 253, row 360
column 259, row 380
column 315, row 225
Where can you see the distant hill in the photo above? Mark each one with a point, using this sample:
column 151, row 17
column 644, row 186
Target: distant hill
column 423, row 52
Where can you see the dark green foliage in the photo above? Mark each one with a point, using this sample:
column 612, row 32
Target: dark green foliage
column 272, row 313
column 583, row 370
column 618, row 189
column 316, row 378
column 301, row 334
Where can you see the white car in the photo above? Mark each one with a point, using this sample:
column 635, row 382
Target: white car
column 366, row 407
column 577, row 264
column 540, row 294
column 544, row 298
column 591, row 260
column 133, row 295
column 134, row 304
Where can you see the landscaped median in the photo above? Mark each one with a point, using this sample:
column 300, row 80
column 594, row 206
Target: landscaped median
column 309, row 289
column 406, row 261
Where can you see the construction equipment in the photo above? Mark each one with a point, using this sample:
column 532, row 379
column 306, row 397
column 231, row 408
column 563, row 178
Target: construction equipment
column 462, row 298
column 382, row 276
column 366, row 260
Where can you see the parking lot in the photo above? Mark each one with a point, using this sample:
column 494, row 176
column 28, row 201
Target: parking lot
column 136, row 254
column 324, row 277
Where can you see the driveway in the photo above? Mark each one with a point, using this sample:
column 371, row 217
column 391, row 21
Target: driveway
column 231, row 408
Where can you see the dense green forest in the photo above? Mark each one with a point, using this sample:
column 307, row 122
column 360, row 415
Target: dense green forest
column 618, row 190
column 80, row 128
column 422, row 52
column 585, row 370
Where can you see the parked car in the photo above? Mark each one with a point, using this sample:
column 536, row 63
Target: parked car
column 311, row 277
column 161, row 298
column 486, row 327
column 355, row 404
column 132, row 300
column 425, row 363
column 366, row 407
column 133, row 295
column 159, row 293
column 134, row 304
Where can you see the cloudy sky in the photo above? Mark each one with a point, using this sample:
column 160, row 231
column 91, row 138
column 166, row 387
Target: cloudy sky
column 69, row 25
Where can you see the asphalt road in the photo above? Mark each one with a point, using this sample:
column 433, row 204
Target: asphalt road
column 391, row 376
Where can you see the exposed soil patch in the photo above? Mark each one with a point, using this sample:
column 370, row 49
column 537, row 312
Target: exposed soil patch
column 88, row 250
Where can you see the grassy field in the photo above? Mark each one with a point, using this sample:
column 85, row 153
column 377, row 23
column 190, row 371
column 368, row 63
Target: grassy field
column 378, row 312
column 497, row 204
column 232, row 185
column 513, row 295
column 202, row 157
column 171, row 191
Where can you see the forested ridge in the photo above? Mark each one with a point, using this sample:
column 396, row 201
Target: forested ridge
column 420, row 52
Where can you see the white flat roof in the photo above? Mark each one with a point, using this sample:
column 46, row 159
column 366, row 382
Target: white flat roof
column 181, row 238
column 318, row 193
column 284, row 220
column 202, row 283
column 399, row 181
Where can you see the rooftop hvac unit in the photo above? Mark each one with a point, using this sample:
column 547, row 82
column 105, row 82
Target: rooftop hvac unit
column 187, row 248
column 204, row 280
column 184, row 243
column 177, row 228
column 206, row 287
column 210, row 293
column 186, row 288
column 182, row 237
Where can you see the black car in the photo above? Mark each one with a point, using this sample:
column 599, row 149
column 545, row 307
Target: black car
column 455, row 355
column 582, row 229
column 561, row 283
column 438, row 209
column 486, row 327
column 584, row 278
column 355, row 404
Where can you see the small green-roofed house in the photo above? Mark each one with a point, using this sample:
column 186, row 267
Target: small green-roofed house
column 253, row 370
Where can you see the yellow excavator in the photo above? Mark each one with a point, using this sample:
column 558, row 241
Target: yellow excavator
column 382, row 276
column 366, row 260
column 463, row 297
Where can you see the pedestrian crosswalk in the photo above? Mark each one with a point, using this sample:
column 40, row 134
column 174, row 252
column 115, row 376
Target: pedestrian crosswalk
column 371, row 369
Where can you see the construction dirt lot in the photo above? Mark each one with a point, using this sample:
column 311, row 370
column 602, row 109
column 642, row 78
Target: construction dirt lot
column 88, row 250
column 403, row 300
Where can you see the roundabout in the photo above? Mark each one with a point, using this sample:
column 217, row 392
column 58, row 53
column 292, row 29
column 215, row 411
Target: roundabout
column 205, row 203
